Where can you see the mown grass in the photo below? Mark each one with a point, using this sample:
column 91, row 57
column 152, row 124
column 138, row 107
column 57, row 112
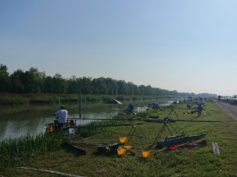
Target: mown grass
column 193, row 162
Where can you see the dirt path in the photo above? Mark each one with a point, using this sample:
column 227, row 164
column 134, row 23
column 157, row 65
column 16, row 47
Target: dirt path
column 231, row 110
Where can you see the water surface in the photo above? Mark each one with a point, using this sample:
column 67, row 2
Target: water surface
column 31, row 120
column 19, row 121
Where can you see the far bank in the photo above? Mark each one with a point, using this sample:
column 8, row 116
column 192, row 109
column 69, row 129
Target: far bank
column 25, row 99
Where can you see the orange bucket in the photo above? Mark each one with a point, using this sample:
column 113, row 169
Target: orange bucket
column 121, row 151
column 50, row 128
column 146, row 154
column 128, row 148
column 123, row 140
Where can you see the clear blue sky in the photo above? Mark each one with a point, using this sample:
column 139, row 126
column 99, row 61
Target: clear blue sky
column 183, row 45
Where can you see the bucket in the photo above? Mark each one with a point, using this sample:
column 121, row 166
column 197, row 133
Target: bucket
column 50, row 128
column 70, row 123
column 121, row 152
column 172, row 147
column 71, row 131
column 123, row 140
column 128, row 148
column 146, row 154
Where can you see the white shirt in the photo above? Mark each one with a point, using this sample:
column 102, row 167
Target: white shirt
column 62, row 115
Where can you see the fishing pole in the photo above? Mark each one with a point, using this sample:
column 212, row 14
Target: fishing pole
column 155, row 120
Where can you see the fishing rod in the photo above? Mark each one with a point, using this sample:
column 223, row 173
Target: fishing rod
column 108, row 125
column 106, row 118
column 155, row 120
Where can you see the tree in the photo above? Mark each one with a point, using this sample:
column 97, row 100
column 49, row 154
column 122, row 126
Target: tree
column 100, row 86
column 4, row 79
column 73, row 85
column 122, row 87
column 48, row 85
column 33, row 81
column 112, row 86
column 17, row 85
column 85, row 85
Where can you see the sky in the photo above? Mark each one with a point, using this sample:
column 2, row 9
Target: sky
column 183, row 45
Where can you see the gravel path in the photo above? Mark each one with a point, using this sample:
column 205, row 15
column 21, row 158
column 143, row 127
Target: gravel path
column 231, row 110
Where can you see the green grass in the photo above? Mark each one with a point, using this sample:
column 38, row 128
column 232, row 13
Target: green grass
column 196, row 162
column 14, row 152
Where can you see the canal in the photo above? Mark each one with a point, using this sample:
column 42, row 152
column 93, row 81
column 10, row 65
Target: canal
column 18, row 121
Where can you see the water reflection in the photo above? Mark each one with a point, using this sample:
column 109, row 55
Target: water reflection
column 32, row 120
column 16, row 122
column 18, row 128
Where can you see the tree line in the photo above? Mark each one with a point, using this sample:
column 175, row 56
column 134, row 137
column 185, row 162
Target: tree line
column 34, row 81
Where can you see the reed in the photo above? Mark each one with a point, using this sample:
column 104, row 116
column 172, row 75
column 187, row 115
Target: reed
column 24, row 99
column 14, row 152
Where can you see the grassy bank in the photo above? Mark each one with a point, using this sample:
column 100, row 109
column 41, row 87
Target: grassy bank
column 194, row 162
column 14, row 152
column 24, row 99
